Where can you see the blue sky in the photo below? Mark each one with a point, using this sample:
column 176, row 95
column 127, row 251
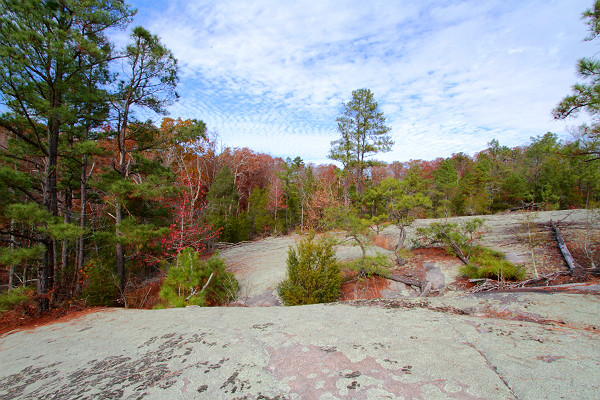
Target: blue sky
column 449, row 75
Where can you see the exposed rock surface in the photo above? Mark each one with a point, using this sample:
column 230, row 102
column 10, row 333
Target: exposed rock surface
column 434, row 275
column 489, row 346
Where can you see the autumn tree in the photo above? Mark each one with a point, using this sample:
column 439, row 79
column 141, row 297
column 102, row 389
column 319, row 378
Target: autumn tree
column 363, row 135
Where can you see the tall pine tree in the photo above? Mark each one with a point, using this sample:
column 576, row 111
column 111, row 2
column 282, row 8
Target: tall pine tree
column 363, row 134
column 46, row 48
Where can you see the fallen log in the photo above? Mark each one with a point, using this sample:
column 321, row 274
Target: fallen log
column 564, row 250
column 228, row 245
column 414, row 283
column 424, row 286
column 531, row 206
column 404, row 279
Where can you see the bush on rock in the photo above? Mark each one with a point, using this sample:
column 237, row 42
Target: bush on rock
column 313, row 273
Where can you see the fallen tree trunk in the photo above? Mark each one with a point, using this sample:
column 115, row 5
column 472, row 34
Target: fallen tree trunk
column 424, row 286
column 526, row 206
column 564, row 250
column 404, row 279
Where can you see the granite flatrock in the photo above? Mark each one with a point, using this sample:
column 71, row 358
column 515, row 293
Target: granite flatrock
column 497, row 346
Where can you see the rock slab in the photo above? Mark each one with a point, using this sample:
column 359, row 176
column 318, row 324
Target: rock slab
column 500, row 346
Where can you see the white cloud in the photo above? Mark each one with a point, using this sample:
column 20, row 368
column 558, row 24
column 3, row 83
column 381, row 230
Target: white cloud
column 449, row 75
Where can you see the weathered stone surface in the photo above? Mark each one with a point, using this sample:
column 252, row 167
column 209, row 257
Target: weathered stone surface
column 434, row 275
column 489, row 346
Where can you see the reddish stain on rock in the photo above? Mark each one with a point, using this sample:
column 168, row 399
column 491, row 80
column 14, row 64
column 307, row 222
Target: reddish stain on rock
column 311, row 371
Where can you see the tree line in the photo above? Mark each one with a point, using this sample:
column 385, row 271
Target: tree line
column 93, row 194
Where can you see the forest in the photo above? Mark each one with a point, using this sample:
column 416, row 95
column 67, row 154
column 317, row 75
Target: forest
column 93, row 196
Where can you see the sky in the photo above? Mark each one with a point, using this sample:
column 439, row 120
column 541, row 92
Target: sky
column 449, row 76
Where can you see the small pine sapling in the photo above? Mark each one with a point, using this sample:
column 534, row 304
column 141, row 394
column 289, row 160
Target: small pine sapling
column 194, row 282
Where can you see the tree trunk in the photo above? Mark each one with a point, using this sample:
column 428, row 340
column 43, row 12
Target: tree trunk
column 360, row 244
column 64, row 259
column 45, row 272
column 11, row 272
column 82, row 214
column 119, row 251
column 400, row 244
column 346, row 190
column 302, row 217
column 11, row 269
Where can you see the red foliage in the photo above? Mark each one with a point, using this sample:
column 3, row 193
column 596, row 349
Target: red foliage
column 250, row 170
column 315, row 213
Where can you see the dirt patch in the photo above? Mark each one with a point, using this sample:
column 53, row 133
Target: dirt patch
column 14, row 321
column 355, row 287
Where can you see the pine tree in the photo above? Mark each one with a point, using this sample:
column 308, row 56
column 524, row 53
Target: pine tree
column 46, row 50
column 363, row 135
column 148, row 81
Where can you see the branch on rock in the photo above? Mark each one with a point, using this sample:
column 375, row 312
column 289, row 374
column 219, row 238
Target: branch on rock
column 528, row 206
column 564, row 250
column 486, row 285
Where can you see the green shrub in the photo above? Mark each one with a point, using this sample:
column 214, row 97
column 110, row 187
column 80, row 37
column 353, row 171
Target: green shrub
column 200, row 283
column 491, row 264
column 15, row 297
column 101, row 286
column 313, row 273
column 379, row 264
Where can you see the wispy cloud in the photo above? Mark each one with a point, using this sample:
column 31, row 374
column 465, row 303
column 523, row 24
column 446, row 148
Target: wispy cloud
column 449, row 75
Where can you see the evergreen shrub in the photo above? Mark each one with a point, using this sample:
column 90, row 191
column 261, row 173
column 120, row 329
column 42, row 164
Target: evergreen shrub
column 491, row 264
column 368, row 266
column 313, row 273
column 15, row 297
column 101, row 286
column 187, row 281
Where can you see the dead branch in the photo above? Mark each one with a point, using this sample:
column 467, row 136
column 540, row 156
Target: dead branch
column 528, row 206
column 404, row 279
column 424, row 286
column 490, row 284
column 207, row 282
column 564, row 250
column 195, row 291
